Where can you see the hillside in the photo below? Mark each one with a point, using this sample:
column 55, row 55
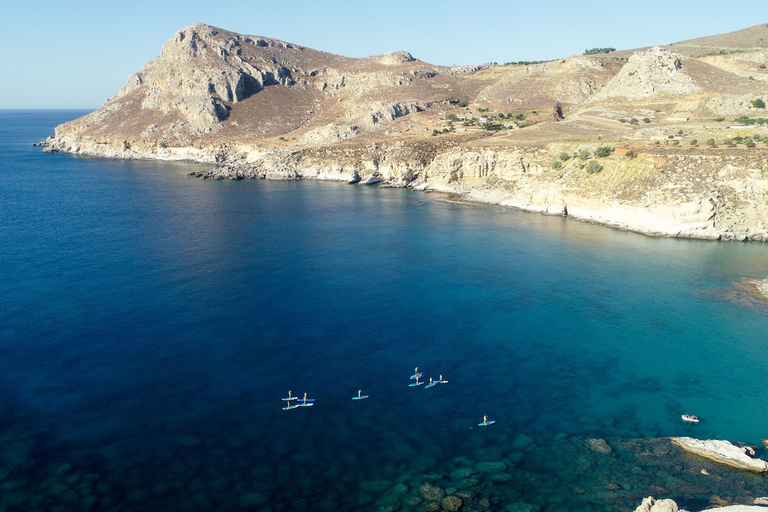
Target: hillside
column 261, row 107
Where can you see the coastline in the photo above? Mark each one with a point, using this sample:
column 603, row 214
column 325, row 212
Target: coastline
column 657, row 195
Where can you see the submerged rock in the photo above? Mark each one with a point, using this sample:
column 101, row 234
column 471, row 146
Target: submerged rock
column 599, row 446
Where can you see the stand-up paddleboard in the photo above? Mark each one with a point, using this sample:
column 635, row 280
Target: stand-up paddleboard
column 431, row 383
column 417, row 383
column 485, row 422
column 416, row 374
column 290, row 397
column 441, row 381
column 305, row 404
column 359, row 395
column 290, row 406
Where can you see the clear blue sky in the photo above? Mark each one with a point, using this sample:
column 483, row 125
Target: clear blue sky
column 76, row 54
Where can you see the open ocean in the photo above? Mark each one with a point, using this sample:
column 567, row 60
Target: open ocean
column 150, row 324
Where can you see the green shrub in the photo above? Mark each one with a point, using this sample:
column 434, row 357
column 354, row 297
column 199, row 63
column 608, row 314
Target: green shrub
column 758, row 103
column 747, row 140
column 646, row 120
column 603, row 151
column 556, row 164
column 710, row 142
column 719, row 119
column 583, row 154
column 676, row 143
column 630, row 153
column 126, row 145
column 694, row 142
column 564, row 156
column 594, row 167
column 463, row 104
column 728, row 142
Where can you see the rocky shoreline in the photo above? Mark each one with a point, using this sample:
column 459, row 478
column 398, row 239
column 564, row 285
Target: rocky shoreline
column 668, row 193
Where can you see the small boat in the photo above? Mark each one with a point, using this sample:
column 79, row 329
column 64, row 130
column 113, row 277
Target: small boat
column 485, row 422
column 416, row 375
column 359, row 395
column 290, row 397
column 431, row 383
column 690, row 418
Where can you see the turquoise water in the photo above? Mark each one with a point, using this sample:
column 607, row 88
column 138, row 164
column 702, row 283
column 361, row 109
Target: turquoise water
column 150, row 323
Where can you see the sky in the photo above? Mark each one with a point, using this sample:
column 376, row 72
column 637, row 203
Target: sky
column 77, row 54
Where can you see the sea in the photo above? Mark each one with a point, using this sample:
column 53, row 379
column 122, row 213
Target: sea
column 152, row 325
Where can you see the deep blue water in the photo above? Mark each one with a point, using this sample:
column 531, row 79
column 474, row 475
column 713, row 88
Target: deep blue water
column 150, row 322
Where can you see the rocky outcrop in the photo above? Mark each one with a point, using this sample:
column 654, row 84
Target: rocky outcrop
column 654, row 72
column 650, row 504
column 722, row 452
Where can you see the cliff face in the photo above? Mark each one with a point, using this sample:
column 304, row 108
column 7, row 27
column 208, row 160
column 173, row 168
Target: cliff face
column 261, row 108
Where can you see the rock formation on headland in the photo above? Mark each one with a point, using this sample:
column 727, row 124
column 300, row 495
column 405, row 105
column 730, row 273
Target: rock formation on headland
column 638, row 140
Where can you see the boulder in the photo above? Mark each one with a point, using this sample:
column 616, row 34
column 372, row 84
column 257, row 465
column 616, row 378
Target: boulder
column 651, row 505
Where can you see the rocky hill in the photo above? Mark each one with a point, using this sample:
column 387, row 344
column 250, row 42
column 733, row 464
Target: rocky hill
column 636, row 139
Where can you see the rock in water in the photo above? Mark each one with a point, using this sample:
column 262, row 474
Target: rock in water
column 651, row 505
column 723, row 452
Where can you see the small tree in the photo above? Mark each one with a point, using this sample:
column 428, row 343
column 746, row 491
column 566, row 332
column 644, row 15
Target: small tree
column 556, row 164
column 564, row 156
column 694, row 142
column 583, row 154
column 463, row 104
column 758, row 103
column 603, row 151
column 747, row 141
column 594, row 167
column 710, row 142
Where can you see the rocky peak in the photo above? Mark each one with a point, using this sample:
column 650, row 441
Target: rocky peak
column 648, row 73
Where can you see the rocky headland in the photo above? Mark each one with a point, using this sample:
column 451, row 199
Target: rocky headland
column 639, row 140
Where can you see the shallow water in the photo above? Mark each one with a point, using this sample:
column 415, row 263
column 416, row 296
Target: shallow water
column 150, row 323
